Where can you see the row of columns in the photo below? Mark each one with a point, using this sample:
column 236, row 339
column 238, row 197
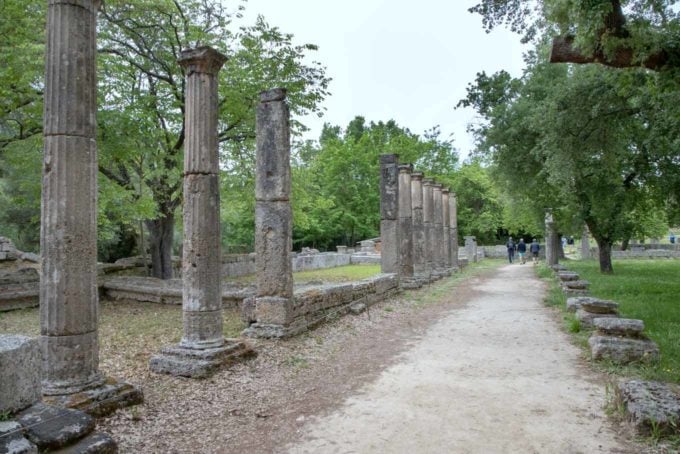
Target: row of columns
column 418, row 224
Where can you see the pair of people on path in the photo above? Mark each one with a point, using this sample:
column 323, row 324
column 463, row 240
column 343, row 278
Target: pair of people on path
column 521, row 248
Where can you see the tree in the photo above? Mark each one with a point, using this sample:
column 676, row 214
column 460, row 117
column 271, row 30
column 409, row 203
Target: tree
column 621, row 34
column 140, row 42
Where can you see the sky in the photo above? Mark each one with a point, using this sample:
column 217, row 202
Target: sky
column 409, row 61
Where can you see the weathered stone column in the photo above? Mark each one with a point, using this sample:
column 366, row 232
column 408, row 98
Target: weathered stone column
column 202, row 348
column 551, row 240
column 446, row 230
column 438, row 229
column 585, row 243
column 389, row 213
column 419, row 260
column 273, row 220
column 406, row 270
column 453, row 214
column 471, row 249
column 428, row 225
column 69, row 303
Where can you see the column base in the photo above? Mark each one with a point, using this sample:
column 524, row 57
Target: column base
column 272, row 331
column 101, row 400
column 193, row 363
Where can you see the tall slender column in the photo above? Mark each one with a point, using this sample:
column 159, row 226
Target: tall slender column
column 453, row 214
column 389, row 213
column 406, row 270
column 428, row 224
column 202, row 348
column 419, row 244
column 446, row 230
column 69, row 303
column 273, row 220
column 438, row 225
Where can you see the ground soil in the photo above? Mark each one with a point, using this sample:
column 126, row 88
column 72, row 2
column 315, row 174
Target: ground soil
column 482, row 367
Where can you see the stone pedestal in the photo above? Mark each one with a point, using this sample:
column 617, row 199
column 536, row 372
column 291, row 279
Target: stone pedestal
column 202, row 348
column 389, row 213
column 420, row 269
column 453, row 226
column 406, row 269
column 69, row 303
column 273, row 220
column 471, row 249
column 428, row 225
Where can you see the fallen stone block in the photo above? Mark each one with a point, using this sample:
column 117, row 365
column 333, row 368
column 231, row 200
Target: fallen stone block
column 96, row 443
column 586, row 318
column 102, row 400
column 52, row 428
column 623, row 350
column 598, row 306
column 567, row 276
column 625, row 327
column 558, row 267
column 357, row 308
column 12, row 440
column 576, row 285
column 650, row 405
column 20, row 377
column 576, row 302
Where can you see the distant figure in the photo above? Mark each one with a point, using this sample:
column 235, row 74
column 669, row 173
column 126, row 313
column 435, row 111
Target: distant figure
column 521, row 251
column 534, row 247
column 672, row 238
column 511, row 249
column 564, row 242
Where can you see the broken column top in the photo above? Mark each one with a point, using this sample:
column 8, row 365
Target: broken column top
column 428, row 182
column 405, row 168
column 445, row 190
column 417, row 175
column 275, row 94
column 203, row 59
column 389, row 158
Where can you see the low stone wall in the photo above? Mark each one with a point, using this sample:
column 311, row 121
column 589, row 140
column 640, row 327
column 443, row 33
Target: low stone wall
column 235, row 265
column 643, row 254
column 152, row 290
column 316, row 304
column 319, row 261
column 501, row 252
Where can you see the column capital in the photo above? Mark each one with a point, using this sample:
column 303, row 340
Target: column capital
column 89, row 5
column 417, row 176
column 445, row 190
column 428, row 182
column 201, row 60
column 405, row 168
column 273, row 95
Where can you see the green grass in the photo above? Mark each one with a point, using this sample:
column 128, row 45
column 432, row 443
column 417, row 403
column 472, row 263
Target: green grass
column 648, row 290
column 338, row 274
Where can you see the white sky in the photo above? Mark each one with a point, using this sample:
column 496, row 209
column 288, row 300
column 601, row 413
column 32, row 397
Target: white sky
column 396, row 59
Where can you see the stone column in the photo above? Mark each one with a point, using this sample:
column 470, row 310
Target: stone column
column 419, row 244
column 471, row 249
column 585, row 243
column 428, row 225
column 273, row 221
column 551, row 240
column 202, row 348
column 69, row 303
column 446, row 230
column 406, row 270
column 438, row 225
column 389, row 213
column 453, row 214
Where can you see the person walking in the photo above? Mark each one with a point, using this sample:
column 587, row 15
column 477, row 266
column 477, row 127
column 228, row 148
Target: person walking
column 510, row 245
column 521, row 251
column 534, row 247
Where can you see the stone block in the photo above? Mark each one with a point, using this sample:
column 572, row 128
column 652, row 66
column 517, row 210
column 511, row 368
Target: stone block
column 385, row 282
column 567, row 276
column 575, row 285
column 201, row 261
column 99, row 443
column 623, row 350
column 202, row 329
column 389, row 249
column 20, row 372
column 272, row 176
column 101, row 400
column 575, row 302
column 362, row 288
column 186, row 362
column 248, row 310
column 619, row 326
column 12, row 440
column 273, row 243
column 598, row 306
column 357, row 308
column 337, row 295
column 273, row 310
column 586, row 318
column 269, row 331
column 51, row 427
column 650, row 405
column 389, row 187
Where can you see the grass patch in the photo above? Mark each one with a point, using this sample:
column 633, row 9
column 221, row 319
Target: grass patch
column 338, row 274
column 647, row 290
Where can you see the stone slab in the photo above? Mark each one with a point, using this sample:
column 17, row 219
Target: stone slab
column 96, row 443
column 586, row 318
column 102, row 400
column 598, row 306
column 567, row 276
column 20, row 377
column 51, row 427
column 650, row 405
column 619, row 326
column 622, row 350
column 575, row 302
column 558, row 267
column 576, row 285
column 12, row 440
column 185, row 362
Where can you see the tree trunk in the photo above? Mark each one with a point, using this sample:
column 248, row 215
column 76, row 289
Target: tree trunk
column 605, row 247
column 624, row 244
column 161, row 232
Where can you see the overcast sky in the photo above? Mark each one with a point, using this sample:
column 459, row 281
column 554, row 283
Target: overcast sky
column 395, row 59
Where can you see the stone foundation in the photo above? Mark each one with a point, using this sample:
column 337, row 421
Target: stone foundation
column 102, row 400
column 193, row 363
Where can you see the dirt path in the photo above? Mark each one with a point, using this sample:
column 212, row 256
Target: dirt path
column 497, row 375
